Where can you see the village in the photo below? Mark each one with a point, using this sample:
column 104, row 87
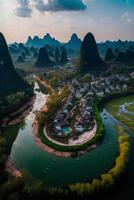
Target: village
column 76, row 116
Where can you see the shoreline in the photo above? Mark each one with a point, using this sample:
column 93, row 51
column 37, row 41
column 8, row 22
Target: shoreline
column 11, row 169
column 23, row 111
column 44, row 147
column 50, row 150
column 85, row 137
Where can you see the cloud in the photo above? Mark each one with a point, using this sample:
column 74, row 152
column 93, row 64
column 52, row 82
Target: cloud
column 59, row 5
column 24, row 9
column 124, row 15
column 127, row 17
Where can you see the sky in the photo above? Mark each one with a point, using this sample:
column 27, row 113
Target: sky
column 106, row 19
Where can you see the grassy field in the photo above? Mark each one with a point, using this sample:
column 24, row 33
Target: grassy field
column 113, row 108
column 130, row 108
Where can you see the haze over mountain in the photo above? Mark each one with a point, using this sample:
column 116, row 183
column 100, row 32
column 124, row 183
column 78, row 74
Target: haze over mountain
column 10, row 81
column 40, row 42
column 74, row 44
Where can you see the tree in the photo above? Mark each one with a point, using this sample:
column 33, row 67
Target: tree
column 109, row 55
column 34, row 189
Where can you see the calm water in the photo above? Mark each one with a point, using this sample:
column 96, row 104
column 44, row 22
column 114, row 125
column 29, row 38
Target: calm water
column 29, row 158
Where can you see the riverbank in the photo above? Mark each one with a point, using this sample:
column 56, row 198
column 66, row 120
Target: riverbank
column 53, row 151
column 35, row 127
column 86, row 142
column 11, row 169
column 118, row 109
column 17, row 116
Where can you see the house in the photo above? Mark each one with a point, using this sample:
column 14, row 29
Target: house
column 79, row 129
column 58, row 128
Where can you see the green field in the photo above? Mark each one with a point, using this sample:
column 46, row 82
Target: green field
column 113, row 107
column 130, row 108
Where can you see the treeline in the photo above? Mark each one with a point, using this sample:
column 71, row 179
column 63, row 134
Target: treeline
column 104, row 100
column 100, row 127
column 3, row 157
column 13, row 102
column 55, row 100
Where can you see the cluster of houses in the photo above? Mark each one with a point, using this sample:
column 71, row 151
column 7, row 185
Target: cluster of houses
column 61, row 117
column 101, row 87
column 109, row 85
column 76, row 115
column 84, row 120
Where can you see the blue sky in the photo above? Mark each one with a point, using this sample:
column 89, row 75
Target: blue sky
column 107, row 19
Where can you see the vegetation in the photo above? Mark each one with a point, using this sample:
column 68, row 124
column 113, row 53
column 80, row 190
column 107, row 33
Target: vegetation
column 97, row 138
column 54, row 102
column 43, row 89
column 20, row 188
column 13, row 102
column 107, row 180
column 113, row 108
column 126, row 57
column 53, row 77
column 14, row 91
column 130, row 108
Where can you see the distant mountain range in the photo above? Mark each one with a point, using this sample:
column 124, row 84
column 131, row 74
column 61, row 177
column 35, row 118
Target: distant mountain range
column 74, row 43
column 41, row 42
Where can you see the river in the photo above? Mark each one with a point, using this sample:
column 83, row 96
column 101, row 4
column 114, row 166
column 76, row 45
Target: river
column 58, row 171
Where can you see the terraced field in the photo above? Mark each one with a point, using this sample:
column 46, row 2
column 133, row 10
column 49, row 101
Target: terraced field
column 123, row 109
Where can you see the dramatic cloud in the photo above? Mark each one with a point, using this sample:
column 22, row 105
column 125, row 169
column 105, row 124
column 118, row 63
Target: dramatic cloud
column 24, row 9
column 59, row 5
